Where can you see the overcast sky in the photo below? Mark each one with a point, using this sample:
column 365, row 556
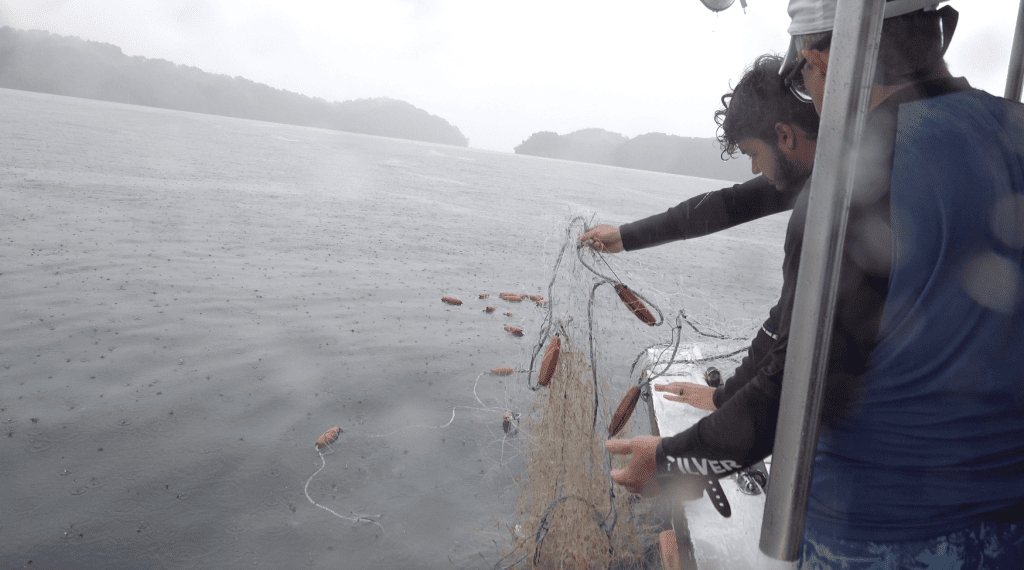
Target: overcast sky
column 499, row 71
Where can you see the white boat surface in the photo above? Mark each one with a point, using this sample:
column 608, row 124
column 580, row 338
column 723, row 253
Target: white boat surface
column 718, row 542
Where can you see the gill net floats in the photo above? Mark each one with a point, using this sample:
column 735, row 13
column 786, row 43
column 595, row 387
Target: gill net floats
column 547, row 367
column 634, row 304
column 329, row 437
column 322, row 445
column 624, row 411
column 544, row 372
column 324, row 442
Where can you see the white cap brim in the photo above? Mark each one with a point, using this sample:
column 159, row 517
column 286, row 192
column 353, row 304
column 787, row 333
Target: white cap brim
column 791, row 59
column 815, row 16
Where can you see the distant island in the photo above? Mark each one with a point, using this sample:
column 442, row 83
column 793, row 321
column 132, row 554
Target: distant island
column 701, row 157
column 35, row 60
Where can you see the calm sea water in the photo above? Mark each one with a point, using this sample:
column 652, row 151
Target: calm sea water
column 187, row 302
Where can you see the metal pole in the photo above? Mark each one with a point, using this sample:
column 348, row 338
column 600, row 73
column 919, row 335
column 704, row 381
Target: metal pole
column 1015, row 75
column 851, row 69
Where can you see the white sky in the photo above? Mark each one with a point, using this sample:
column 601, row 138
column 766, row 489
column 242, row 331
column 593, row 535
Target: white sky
column 499, row 71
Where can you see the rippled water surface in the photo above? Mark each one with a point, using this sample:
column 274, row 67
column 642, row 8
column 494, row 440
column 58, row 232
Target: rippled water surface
column 187, row 302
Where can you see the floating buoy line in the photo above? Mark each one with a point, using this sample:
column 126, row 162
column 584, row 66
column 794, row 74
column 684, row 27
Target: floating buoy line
column 322, row 445
column 324, row 442
column 329, row 437
column 549, row 340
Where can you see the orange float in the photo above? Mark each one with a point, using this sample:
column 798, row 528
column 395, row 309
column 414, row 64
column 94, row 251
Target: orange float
column 635, row 304
column 512, row 297
column 547, row 367
column 541, row 303
column 514, row 330
column 489, row 310
column 535, row 298
column 624, row 411
column 451, row 300
column 329, row 437
column 509, row 315
column 503, row 371
column 670, row 559
column 484, row 295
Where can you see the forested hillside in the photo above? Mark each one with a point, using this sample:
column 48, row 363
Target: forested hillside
column 653, row 151
column 34, row 60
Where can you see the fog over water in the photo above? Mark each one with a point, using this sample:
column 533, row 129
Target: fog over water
column 499, row 72
column 188, row 301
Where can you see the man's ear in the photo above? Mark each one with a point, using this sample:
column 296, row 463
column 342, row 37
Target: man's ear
column 785, row 136
column 816, row 59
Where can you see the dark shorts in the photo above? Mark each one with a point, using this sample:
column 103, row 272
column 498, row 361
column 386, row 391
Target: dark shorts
column 981, row 546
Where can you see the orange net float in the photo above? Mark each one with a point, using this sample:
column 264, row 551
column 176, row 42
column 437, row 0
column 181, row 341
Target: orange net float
column 624, row 411
column 635, row 304
column 329, row 437
column 541, row 303
column 535, row 298
column 550, row 362
column 484, row 295
column 512, row 297
column 489, row 310
column 509, row 315
column 514, row 330
column 451, row 301
column 503, row 371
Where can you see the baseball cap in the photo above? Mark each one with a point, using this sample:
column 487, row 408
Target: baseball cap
column 814, row 16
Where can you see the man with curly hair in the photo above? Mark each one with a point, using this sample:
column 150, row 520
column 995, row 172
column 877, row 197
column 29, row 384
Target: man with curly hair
column 762, row 120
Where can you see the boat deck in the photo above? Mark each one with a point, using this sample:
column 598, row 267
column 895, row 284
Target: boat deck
column 717, row 542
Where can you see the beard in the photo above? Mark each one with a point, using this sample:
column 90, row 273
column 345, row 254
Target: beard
column 788, row 174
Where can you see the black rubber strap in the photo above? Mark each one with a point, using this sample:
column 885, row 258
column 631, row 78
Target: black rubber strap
column 717, row 496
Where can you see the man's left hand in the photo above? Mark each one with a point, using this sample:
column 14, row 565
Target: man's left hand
column 700, row 397
column 638, row 476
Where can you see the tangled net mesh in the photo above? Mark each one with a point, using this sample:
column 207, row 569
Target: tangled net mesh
column 569, row 514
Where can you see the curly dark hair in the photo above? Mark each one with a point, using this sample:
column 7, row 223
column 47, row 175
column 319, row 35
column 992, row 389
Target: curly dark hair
column 757, row 103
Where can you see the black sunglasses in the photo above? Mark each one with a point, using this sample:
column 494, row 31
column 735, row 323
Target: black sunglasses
column 794, row 81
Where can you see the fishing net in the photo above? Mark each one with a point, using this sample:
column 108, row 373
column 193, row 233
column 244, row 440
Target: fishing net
column 569, row 513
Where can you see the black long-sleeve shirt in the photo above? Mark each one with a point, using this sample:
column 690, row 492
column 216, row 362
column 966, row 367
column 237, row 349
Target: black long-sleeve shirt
column 709, row 213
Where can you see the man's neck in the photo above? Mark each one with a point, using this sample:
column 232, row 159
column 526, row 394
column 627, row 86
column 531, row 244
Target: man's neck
column 880, row 93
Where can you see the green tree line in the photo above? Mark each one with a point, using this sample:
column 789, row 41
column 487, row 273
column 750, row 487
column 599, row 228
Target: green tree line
column 659, row 152
column 34, row 60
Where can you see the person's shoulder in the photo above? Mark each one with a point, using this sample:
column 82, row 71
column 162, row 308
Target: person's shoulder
column 968, row 109
column 757, row 183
